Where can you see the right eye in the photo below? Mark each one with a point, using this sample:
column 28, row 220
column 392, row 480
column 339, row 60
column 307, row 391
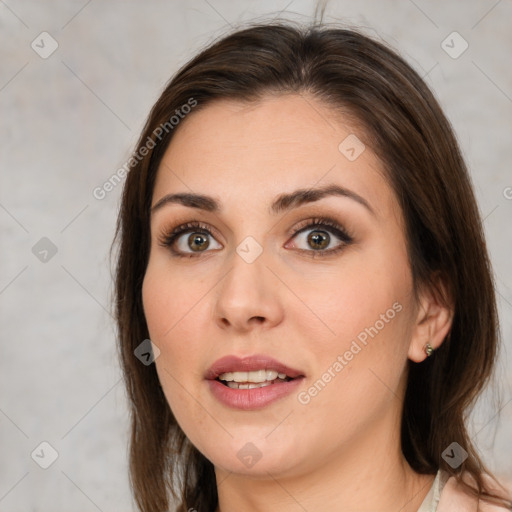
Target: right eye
column 197, row 241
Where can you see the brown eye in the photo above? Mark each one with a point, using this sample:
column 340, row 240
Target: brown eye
column 318, row 239
column 198, row 242
column 321, row 232
column 318, row 236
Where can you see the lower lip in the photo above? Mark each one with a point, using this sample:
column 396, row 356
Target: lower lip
column 255, row 398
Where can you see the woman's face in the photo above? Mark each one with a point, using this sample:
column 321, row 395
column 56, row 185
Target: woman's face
column 332, row 304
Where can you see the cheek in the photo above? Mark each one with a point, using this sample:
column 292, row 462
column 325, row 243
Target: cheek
column 170, row 298
column 177, row 304
column 361, row 314
column 157, row 293
column 171, row 306
column 344, row 302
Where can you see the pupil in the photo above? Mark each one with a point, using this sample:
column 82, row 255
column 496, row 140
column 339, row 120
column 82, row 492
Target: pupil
column 320, row 239
column 200, row 239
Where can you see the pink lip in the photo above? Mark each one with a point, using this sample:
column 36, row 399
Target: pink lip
column 256, row 398
column 247, row 364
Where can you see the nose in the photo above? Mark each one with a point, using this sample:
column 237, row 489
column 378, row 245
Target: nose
column 248, row 296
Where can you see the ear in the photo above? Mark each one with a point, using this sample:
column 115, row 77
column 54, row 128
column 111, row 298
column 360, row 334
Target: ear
column 433, row 320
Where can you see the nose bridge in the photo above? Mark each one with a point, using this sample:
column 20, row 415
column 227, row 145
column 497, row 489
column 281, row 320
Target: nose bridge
column 247, row 290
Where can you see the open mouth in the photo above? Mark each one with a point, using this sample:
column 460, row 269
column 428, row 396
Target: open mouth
column 252, row 379
column 236, row 381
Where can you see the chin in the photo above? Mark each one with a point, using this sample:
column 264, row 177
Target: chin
column 255, row 458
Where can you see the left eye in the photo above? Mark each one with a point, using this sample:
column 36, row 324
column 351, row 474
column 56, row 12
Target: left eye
column 318, row 238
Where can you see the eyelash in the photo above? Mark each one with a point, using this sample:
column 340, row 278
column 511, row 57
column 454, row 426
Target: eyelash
column 167, row 238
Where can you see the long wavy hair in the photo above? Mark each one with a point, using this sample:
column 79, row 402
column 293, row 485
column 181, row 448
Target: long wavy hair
column 370, row 83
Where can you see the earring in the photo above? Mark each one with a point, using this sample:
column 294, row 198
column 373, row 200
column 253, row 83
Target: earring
column 429, row 349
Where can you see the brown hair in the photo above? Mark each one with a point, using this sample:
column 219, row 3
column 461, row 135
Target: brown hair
column 404, row 125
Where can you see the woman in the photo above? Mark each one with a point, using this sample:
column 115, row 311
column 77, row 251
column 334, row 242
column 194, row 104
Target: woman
column 300, row 242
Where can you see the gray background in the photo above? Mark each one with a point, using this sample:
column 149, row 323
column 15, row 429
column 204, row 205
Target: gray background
column 70, row 120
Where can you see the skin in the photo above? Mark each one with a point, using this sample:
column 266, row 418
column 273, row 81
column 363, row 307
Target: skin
column 340, row 451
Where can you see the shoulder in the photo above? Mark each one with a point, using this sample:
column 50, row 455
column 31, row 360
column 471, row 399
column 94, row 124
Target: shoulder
column 455, row 497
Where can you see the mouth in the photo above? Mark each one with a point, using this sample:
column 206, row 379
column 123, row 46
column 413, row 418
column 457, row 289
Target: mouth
column 251, row 382
column 257, row 369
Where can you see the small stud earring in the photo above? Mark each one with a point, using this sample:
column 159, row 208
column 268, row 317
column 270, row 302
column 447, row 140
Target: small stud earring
column 429, row 349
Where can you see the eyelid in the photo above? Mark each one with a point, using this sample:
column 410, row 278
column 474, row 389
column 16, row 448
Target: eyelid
column 168, row 238
column 323, row 221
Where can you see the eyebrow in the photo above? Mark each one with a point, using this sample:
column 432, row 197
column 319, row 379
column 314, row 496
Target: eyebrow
column 282, row 203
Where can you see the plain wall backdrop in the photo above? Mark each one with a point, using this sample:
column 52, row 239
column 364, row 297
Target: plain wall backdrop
column 77, row 80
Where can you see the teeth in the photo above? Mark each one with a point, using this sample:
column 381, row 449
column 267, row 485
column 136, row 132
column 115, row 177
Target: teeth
column 258, row 376
column 252, row 385
column 270, row 374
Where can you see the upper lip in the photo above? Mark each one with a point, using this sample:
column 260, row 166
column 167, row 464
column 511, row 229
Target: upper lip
column 233, row 363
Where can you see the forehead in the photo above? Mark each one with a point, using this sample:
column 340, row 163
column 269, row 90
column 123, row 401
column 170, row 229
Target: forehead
column 250, row 153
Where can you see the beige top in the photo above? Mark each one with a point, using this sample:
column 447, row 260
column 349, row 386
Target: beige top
column 445, row 495
column 431, row 500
